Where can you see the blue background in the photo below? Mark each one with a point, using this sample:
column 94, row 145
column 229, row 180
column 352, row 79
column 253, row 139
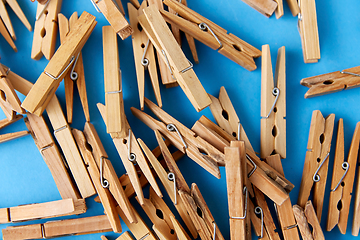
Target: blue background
column 25, row 178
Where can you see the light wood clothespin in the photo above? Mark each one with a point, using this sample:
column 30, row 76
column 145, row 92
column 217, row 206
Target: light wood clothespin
column 183, row 138
column 115, row 113
column 11, row 136
column 144, row 55
column 45, row 30
column 169, row 186
column 200, row 214
column 308, row 29
column 267, row 7
column 114, row 17
column 354, row 154
column 332, row 82
column 4, row 32
column 316, row 163
column 52, row 209
column 273, row 104
column 238, row 196
column 342, row 180
column 130, row 153
column 306, row 217
column 294, row 7
column 59, row 65
column 212, row 35
column 160, row 35
column 181, row 234
column 77, row 71
column 225, row 116
column 96, row 176
column 287, row 221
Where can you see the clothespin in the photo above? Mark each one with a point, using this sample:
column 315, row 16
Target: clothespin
column 306, row 217
column 238, row 196
column 60, row 228
column 114, row 17
column 294, row 7
column 342, row 180
column 308, row 29
column 159, row 214
column 4, row 32
column 225, row 116
column 11, row 136
column 287, row 221
column 183, row 138
column 160, row 35
column 96, row 176
column 115, row 113
column 179, row 230
column 273, row 104
column 52, row 209
column 332, row 82
column 9, row 100
column 108, row 176
column 316, row 163
column 170, row 187
column 77, row 71
column 45, row 30
column 200, row 214
column 144, row 55
column 212, row 35
column 46, row 85
column 267, row 7
column 130, row 153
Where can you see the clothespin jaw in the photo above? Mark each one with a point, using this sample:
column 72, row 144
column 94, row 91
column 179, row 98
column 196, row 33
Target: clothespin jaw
column 316, row 163
column 45, row 87
column 76, row 74
column 144, row 55
column 294, row 7
column 332, row 82
column 266, row 7
column 4, row 32
column 273, row 105
column 308, row 29
column 45, row 31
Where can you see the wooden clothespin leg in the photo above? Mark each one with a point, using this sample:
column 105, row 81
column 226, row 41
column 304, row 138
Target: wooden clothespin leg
column 266, row 7
column 294, row 7
column 308, row 30
column 46, row 85
column 316, row 160
column 4, row 32
column 45, row 30
column 76, row 74
column 273, row 105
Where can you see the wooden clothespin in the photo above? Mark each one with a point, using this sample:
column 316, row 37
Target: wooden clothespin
column 200, row 214
column 96, row 176
column 109, row 179
column 60, row 228
column 159, row 214
column 294, row 7
column 342, row 180
column 77, row 71
column 169, row 184
column 267, row 7
column 225, row 116
column 308, row 29
column 58, row 208
column 332, row 82
column 160, row 35
column 4, row 32
column 179, row 230
column 130, row 153
column 144, row 55
column 286, row 220
column 183, row 138
column 316, row 164
column 212, row 35
column 11, row 136
column 353, row 153
column 273, row 104
column 306, row 217
column 114, row 17
column 46, row 85
column 45, row 30
column 238, row 196
column 115, row 113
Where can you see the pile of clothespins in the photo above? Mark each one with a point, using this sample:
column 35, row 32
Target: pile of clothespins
column 79, row 163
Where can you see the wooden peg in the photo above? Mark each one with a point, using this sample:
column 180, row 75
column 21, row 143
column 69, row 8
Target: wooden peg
column 4, row 32
column 179, row 230
column 114, row 17
column 76, row 74
column 19, row 13
column 273, row 105
column 266, row 7
column 45, row 30
column 6, row 122
column 294, row 7
column 316, row 163
column 308, row 29
column 46, row 85
column 11, row 136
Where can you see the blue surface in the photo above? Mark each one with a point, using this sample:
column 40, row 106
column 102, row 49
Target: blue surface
column 26, row 179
